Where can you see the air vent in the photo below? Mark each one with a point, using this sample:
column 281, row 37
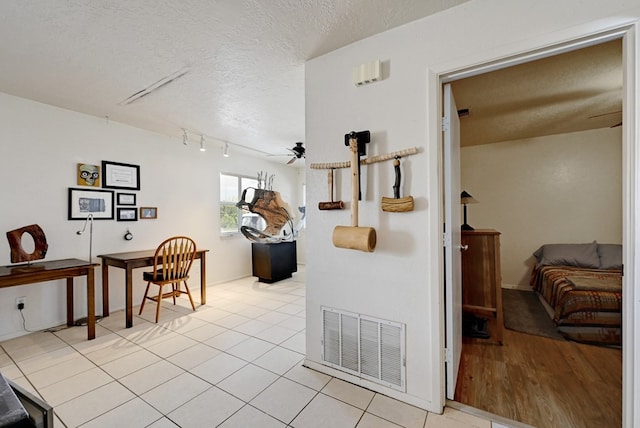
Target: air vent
column 367, row 347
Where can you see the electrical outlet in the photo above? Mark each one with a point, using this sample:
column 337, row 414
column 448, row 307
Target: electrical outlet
column 21, row 302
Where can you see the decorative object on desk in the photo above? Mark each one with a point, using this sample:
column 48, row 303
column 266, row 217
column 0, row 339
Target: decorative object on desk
column 120, row 176
column 126, row 198
column 18, row 254
column 128, row 236
column 88, row 175
column 332, row 205
column 397, row 204
column 148, row 212
column 269, row 205
column 89, row 220
column 466, row 198
column 171, row 265
column 355, row 237
column 97, row 202
column 127, row 214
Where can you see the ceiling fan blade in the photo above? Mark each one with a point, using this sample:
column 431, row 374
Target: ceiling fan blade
column 292, row 160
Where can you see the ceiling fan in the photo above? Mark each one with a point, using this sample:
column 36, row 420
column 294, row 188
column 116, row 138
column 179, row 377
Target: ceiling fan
column 297, row 152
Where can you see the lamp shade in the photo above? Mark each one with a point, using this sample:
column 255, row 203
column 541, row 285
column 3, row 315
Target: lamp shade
column 466, row 198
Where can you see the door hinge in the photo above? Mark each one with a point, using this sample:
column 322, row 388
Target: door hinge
column 446, row 240
column 445, row 124
column 448, row 355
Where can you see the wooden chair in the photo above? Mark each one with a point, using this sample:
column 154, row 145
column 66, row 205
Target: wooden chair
column 171, row 264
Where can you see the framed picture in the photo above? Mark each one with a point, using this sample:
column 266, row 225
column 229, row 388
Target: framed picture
column 148, row 212
column 120, row 176
column 88, row 175
column 126, row 198
column 127, row 214
column 83, row 202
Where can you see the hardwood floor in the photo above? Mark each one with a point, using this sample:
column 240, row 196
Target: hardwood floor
column 542, row 382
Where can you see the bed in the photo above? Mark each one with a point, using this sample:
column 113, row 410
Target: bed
column 581, row 287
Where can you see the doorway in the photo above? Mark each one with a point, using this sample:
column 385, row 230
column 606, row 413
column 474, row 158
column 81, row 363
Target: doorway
column 627, row 179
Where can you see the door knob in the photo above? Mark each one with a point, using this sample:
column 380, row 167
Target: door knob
column 463, row 247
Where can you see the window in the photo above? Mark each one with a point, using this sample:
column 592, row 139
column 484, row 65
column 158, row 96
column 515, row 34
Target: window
column 232, row 217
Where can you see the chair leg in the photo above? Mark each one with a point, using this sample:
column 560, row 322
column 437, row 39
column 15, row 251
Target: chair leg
column 174, row 288
column 189, row 294
column 159, row 302
column 144, row 299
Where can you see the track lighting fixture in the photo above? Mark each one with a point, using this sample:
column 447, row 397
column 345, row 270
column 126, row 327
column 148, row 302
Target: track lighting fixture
column 185, row 137
column 225, row 153
column 202, row 148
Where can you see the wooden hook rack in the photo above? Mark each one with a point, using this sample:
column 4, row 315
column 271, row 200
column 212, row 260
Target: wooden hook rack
column 367, row 161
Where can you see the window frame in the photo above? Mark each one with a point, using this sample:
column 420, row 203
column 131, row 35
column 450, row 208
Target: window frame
column 239, row 178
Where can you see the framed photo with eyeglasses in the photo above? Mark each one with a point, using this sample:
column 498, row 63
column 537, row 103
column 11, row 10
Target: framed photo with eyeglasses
column 88, row 175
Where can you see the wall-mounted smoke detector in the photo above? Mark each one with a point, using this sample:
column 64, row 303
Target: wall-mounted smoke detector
column 367, row 73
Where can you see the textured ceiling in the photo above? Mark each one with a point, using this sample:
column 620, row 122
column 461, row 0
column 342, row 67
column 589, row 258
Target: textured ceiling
column 241, row 68
column 571, row 92
column 241, row 61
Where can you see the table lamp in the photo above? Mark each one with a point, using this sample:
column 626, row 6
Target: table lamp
column 465, row 199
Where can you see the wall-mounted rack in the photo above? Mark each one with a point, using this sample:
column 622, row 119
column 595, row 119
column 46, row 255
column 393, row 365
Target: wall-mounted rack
column 367, row 161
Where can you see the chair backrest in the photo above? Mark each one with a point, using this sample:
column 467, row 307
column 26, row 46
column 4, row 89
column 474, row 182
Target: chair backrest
column 174, row 257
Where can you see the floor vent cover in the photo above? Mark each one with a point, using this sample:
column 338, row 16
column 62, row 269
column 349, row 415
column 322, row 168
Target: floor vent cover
column 368, row 347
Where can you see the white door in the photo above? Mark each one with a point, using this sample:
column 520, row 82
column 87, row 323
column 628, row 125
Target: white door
column 453, row 271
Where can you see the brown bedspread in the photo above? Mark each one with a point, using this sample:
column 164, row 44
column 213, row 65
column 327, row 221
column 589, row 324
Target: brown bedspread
column 589, row 312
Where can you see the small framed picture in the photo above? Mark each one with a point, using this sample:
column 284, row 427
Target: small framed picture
column 148, row 212
column 127, row 214
column 126, row 198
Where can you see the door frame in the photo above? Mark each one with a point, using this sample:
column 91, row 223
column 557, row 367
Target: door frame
column 630, row 35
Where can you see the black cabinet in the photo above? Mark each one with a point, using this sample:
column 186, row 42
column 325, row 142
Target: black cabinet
column 274, row 262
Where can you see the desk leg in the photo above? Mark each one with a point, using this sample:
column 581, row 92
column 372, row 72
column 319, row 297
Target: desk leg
column 203, row 279
column 91, row 304
column 70, row 302
column 105, row 289
column 129, row 296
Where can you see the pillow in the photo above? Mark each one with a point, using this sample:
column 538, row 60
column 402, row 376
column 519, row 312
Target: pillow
column 580, row 255
column 610, row 256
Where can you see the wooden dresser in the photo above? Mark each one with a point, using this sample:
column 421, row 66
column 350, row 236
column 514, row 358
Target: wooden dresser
column 481, row 277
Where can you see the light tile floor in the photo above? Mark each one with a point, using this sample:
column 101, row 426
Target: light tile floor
column 235, row 362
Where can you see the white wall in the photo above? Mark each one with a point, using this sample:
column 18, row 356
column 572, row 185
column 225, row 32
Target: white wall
column 401, row 281
column 39, row 152
column 555, row 189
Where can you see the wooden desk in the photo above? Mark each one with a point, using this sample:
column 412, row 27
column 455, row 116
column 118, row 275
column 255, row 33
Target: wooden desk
column 68, row 269
column 136, row 259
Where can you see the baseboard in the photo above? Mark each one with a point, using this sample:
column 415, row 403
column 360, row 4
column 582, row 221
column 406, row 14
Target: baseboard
column 516, row 287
